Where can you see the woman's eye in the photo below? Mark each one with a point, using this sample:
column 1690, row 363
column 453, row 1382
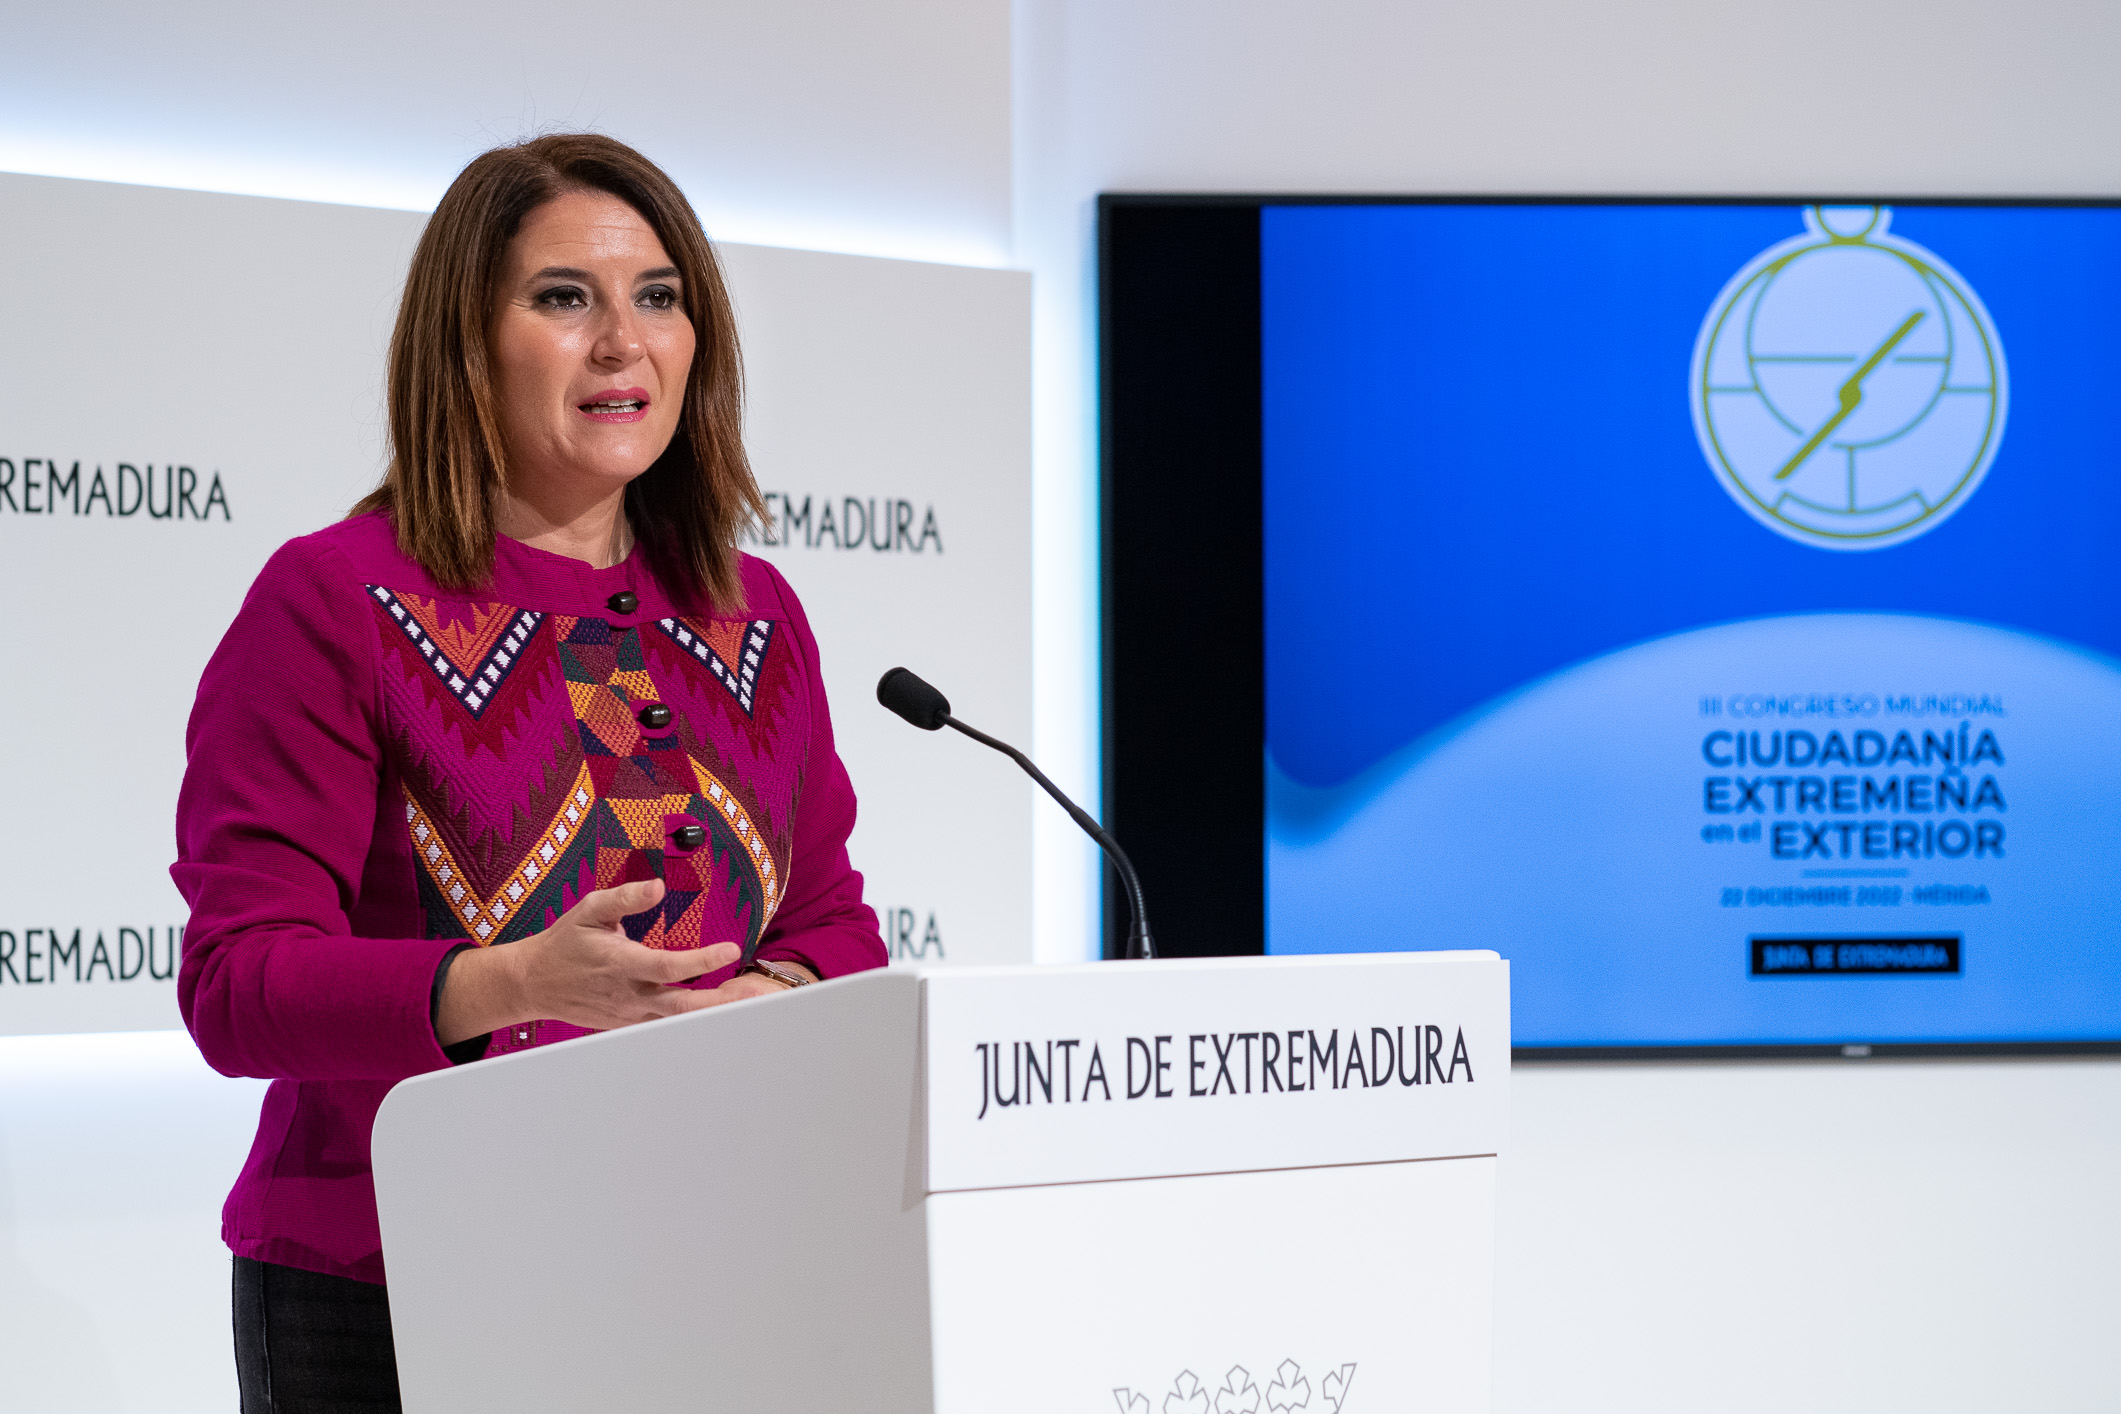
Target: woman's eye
column 659, row 297
column 564, row 297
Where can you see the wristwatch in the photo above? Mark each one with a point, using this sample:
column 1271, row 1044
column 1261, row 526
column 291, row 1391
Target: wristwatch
column 787, row 976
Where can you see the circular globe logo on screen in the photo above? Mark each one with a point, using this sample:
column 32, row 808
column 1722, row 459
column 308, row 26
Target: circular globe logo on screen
column 1848, row 387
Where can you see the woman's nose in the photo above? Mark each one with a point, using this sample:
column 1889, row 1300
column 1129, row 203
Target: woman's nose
column 618, row 342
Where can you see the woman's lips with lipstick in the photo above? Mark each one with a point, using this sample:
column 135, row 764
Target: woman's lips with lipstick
column 616, row 405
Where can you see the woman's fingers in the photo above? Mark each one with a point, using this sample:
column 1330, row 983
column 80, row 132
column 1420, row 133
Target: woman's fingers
column 605, row 907
column 693, row 962
column 585, row 971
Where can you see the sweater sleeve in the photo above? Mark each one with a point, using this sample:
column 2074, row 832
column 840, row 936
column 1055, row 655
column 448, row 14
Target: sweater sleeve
column 822, row 923
column 274, row 822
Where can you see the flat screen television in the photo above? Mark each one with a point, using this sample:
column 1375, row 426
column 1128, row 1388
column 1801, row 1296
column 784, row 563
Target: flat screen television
column 1713, row 606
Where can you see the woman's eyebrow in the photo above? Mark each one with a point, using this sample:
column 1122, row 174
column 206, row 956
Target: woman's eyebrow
column 569, row 272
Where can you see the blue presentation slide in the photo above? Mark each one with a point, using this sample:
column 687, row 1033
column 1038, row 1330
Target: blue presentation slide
column 1714, row 608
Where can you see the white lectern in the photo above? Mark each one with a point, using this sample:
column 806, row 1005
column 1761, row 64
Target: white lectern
column 1184, row 1187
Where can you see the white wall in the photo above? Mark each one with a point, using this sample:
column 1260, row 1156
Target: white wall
column 851, row 125
column 1760, row 1238
column 1856, row 1236
column 115, row 1154
column 883, row 129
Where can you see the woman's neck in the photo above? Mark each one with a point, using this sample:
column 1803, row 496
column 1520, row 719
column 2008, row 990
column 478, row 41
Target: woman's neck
column 596, row 533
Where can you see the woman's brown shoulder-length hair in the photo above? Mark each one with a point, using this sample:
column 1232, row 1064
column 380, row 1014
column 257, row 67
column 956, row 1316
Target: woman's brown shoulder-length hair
column 448, row 464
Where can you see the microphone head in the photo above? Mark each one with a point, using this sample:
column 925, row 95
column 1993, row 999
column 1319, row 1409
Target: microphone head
column 913, row 699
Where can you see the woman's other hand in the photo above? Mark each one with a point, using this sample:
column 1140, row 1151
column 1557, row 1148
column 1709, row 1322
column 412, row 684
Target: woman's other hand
column 584, row 970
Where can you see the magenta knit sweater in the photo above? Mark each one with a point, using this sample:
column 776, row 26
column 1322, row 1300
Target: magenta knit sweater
column 381, row 771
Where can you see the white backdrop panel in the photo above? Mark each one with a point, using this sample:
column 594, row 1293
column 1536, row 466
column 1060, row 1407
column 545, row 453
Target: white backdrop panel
column 890, row 417
column 193, row 379
column 242, row 338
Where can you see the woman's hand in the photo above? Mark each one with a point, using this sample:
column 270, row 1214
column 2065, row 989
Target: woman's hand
column 583, row 970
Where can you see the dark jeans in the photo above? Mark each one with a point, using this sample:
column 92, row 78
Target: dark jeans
column 307, row 1343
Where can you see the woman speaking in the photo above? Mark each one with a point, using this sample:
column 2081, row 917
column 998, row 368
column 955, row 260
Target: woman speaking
column 523, row 749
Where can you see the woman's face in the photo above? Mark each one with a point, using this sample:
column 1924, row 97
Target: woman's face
column 592, row 348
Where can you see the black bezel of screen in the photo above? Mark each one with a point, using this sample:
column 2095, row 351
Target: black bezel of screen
column 1182, row 586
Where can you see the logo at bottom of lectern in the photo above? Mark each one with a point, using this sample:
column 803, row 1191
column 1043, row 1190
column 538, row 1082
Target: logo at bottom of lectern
column 1290, row 1389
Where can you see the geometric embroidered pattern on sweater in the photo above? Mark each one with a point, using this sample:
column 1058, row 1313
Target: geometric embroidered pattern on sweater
column 486, row 918
column 731, row 649
column 614, row 798
column 473, row 660
column 645, row 785
column 746, row 832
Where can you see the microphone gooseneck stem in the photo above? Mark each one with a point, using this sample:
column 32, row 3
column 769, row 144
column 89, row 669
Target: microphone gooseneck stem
column 1139, row 943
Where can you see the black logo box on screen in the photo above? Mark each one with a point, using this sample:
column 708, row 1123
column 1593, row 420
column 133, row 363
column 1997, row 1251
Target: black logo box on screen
column 1938, row 955
column 38, row 486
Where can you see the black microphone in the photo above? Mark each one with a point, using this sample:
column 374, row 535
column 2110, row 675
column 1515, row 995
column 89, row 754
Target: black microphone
column 922, row 705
